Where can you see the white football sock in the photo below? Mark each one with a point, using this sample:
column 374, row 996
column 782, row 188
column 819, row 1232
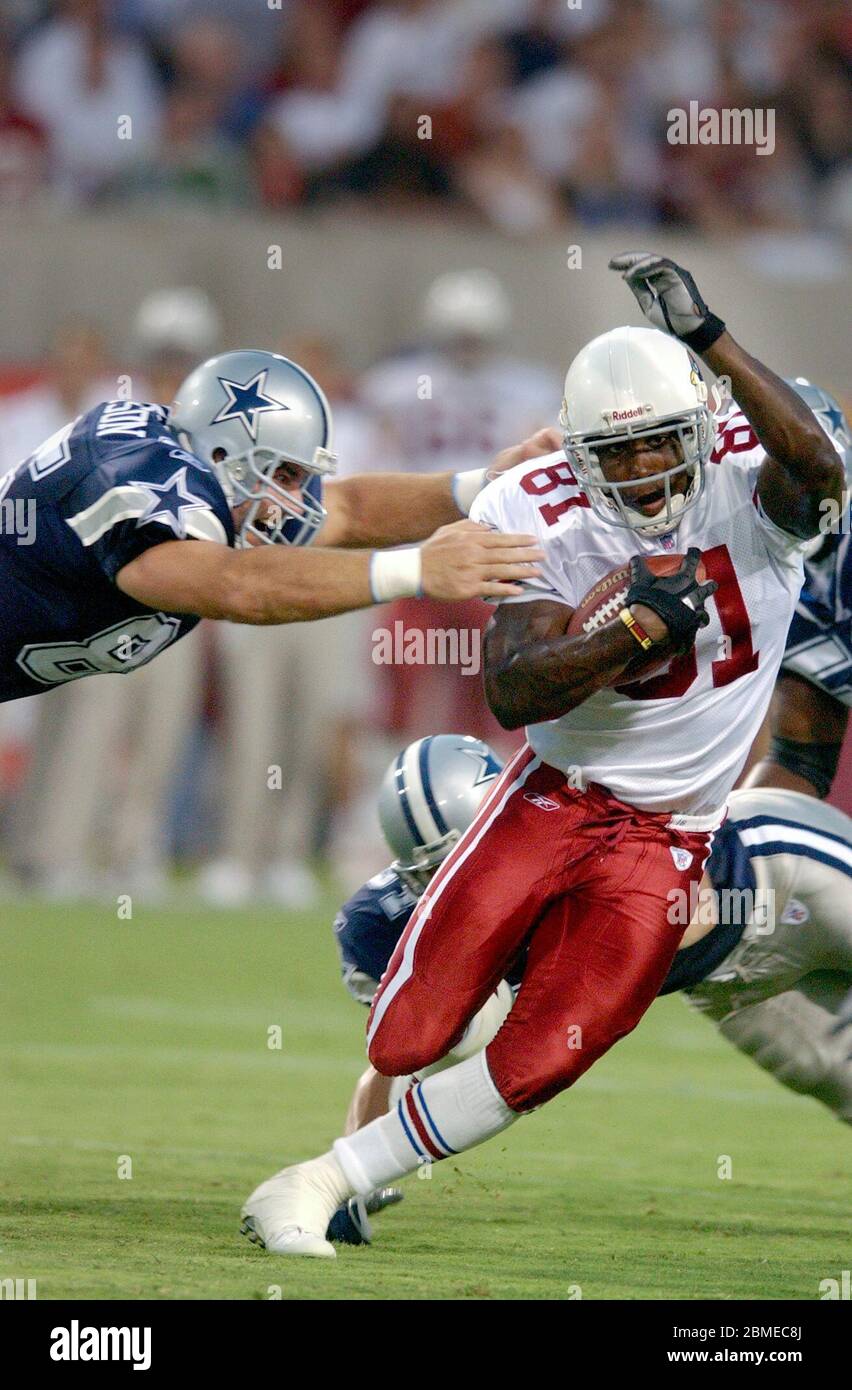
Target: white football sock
column 445, row 1114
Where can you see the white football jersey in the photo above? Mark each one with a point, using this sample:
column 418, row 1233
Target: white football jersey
column 675, row 741
column 439, row 416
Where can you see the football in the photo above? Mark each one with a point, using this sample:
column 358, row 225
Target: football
column 605, row 600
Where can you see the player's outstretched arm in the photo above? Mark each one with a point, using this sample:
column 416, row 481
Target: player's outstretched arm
column 280, row 584
column 381, row 509
column 803, row 470
column 369, row 1100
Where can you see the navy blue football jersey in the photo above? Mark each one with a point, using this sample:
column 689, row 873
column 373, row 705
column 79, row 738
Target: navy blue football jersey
column 819, row 644
column 96, row 494
column 368, row 927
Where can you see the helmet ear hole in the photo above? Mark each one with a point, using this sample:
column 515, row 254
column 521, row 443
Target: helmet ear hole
column 219, row 455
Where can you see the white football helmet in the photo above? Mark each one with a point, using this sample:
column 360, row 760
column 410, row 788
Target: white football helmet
column 183, row 320
column 248, row 414
column 627, row 384
column 467, row 304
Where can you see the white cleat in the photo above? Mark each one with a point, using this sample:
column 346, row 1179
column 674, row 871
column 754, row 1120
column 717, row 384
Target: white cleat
column 289, row 1213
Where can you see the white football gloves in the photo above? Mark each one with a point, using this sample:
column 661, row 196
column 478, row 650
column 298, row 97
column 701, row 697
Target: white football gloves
column 669, row 298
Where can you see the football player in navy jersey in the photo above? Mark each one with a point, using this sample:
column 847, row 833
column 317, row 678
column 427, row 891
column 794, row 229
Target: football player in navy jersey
column 767, row 954
column 134, row 521
column 813, row 695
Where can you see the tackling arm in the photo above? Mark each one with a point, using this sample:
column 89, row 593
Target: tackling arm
column 272, row 584
column 381, row 509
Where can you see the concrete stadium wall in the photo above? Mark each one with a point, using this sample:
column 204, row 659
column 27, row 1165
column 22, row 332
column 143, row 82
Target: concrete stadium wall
column 359, row 280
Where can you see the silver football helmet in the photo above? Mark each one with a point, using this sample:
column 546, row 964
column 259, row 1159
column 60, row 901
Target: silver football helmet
column 248, row 414
column 429, row 796
column 830, row 416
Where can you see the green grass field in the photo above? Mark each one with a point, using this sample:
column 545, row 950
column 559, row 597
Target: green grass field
column 148, row 1039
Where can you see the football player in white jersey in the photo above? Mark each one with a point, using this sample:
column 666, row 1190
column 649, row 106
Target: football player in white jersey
column 767, row 954
column 636, row 734
column 455, row 401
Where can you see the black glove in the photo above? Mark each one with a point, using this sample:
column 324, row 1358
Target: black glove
column 669, row 298
column 678, row 599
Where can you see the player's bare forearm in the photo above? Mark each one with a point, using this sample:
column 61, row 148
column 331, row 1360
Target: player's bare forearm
column 803, row 468
column 534, row 672
column 388, row 509
column 802, row 747
column 272, row 584
column 263, row 586
column 369, row 1100
column 385, row 509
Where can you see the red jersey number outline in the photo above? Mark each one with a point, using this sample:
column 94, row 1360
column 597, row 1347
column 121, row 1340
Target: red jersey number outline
column 736, row 627
column 736, row 436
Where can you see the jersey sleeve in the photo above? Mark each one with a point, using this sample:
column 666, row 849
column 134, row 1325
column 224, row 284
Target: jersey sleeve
column 505, row 506
column 367, row 929
column 141, row 495
column 739, row 451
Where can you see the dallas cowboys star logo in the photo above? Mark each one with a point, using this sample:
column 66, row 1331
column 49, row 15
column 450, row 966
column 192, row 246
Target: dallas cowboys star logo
column 488, row 767
column 833, row 422
column 169, row 502
column 246, row 401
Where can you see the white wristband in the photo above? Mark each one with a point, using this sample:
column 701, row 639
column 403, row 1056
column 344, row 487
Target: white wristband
column 466, row 486
column 396, row 574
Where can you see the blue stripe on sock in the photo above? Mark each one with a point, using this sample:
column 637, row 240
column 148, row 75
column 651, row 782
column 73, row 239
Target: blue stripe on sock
column 434, row 1128
column 409, row 1136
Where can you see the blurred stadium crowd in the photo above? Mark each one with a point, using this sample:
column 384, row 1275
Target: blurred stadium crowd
column 250, row 755
column 544, row 113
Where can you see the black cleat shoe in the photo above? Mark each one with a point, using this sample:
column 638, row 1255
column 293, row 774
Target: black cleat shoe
column 350, row 1224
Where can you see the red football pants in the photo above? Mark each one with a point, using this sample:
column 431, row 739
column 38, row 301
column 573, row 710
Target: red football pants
column 587, row 881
